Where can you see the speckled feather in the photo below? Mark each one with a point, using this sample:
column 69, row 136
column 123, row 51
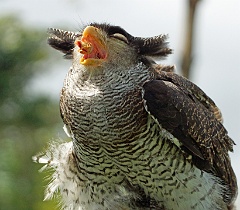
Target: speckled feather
column 142, row 136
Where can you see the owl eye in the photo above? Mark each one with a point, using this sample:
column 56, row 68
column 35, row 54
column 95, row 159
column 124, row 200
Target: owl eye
column 120, row 37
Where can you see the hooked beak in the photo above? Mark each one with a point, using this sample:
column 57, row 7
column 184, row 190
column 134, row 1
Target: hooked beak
column 93, row 47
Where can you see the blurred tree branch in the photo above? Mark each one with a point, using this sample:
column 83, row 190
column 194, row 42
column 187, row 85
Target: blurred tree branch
column 187, row 53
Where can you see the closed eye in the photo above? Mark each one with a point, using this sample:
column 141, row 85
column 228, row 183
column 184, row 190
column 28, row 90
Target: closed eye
column 120, row 37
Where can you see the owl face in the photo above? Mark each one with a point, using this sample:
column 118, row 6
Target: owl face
column 101, row 44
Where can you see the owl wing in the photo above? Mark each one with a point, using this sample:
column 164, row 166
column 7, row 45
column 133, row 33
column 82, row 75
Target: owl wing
column 185, row 111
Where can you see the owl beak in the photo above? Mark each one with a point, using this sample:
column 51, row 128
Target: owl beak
column 92, row 46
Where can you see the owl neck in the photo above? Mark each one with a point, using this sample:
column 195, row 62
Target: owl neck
column 110, row 74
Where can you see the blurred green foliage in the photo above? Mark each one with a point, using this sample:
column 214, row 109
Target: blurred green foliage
column 26, row 123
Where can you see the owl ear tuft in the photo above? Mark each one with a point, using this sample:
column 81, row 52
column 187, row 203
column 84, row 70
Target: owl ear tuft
column 153, row 46
column 62, row 40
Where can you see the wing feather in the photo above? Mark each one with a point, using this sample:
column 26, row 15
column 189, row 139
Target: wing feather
column 188, row 113
column 190, row 89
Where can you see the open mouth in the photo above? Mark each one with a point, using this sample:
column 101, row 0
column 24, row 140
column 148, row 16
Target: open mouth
column 92, row 46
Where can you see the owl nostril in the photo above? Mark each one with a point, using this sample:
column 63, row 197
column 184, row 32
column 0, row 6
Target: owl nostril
column 98, row 55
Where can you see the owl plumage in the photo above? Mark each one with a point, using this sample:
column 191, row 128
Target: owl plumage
column 142, row 137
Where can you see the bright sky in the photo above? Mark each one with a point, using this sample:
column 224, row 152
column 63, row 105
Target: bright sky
column 217, row 49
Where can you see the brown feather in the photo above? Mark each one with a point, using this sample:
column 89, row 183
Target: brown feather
column 186, row 111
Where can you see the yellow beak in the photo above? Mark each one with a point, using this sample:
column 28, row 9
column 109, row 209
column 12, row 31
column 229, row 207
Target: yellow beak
column 93, row 46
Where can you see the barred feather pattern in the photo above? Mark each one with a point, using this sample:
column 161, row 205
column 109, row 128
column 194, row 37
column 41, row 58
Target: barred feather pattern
column 120, row 156
column 66, row 180
column 105, row 188
column 115, row 142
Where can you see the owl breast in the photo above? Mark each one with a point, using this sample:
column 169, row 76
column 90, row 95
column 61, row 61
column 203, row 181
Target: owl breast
column 106, row 109
column 116, row 141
